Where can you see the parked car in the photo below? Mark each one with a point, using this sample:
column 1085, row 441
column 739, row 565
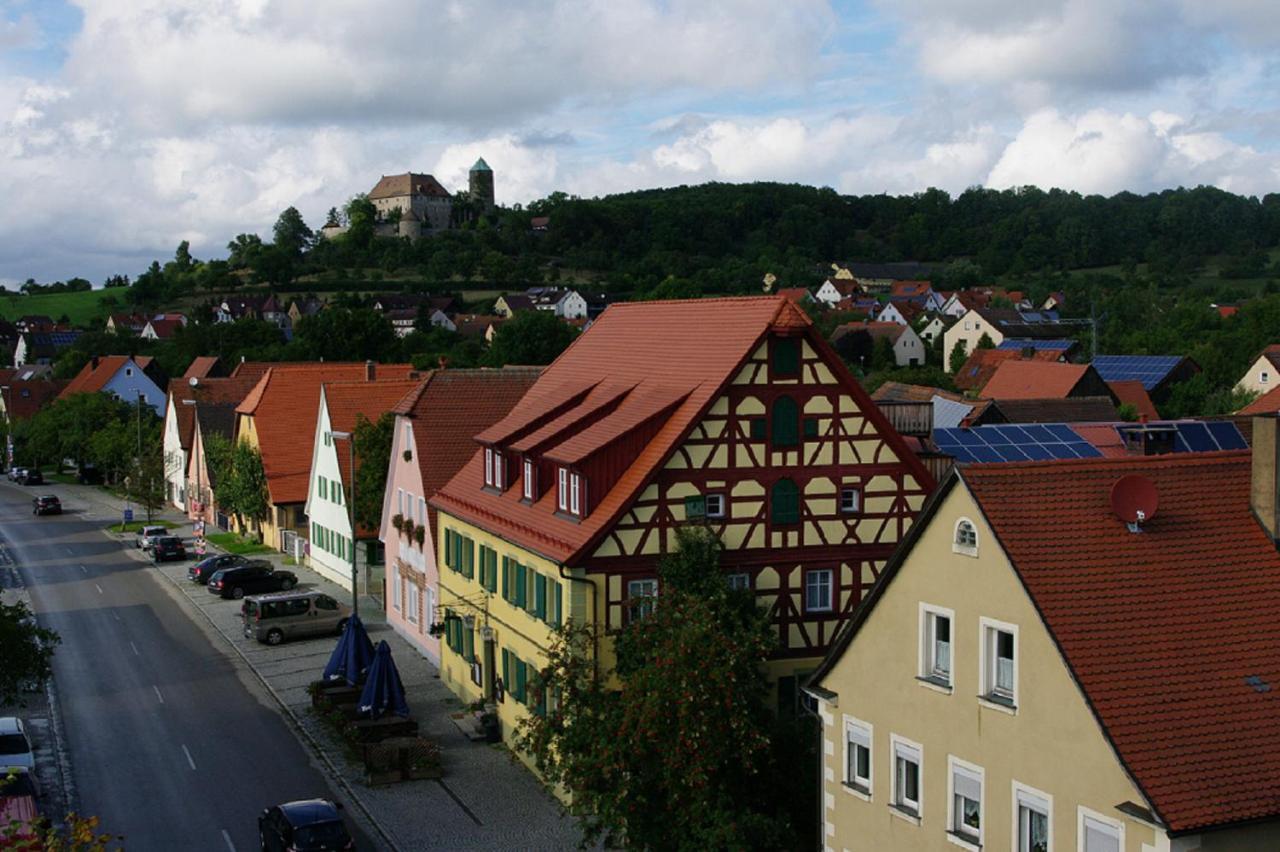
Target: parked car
column 31, row 476
column 147, row 534
column 15, row 748
column 201, row 571
column 14, row 473
column 290, row 615
column 46, row 505
column 88, row 474
column 166, row 547
column 311, row 825
column 254, row 578
column 19, row 814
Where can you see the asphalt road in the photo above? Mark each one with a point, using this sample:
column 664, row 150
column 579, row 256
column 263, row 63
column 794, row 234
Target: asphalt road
column 170, row 744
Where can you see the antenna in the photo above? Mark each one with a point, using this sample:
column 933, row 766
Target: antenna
column 1134, row 500
column 193, row 381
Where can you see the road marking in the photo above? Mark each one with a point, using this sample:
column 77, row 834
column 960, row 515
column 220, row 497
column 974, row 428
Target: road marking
column 70, row 549
column 227, row 837
column 161, row 697
column 135, row 649
column 188, row 754
column 84, row 570
column 116, row 615
column 99, row 588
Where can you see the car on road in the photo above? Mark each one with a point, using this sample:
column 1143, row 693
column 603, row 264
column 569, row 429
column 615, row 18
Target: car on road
column 167, row 547
column 310, row 825
column 31, row 476
column 254, row 578
column 201, row 571
column 14, row 472
column 15, row 748
column 291, row 615
column 147, row 535
column 47, row 504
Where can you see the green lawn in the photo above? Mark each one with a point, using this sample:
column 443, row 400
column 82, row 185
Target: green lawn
column 134, row 526
column 80, row 307
column 232, row 543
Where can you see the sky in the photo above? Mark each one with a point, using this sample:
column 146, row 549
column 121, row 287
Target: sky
column 127, row 126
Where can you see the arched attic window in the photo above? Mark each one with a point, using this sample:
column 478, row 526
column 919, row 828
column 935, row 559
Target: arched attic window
column 965, row 539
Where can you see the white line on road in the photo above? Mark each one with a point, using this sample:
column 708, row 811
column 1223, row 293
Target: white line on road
column 70, row 549
column 227, row 837
column 188, row 754
column 99, row 588
column 135, row 649
column 84, row 570
column 158, row 695
column 117, row 615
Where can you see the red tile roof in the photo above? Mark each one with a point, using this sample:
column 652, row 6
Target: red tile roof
column 165, row 328
column 27, row 396
column 449, row 408
column 348, row 401
column 982, row 364
column 796, row 294
column 1133, row 393
column 909, row 289
column 202, row 367
column 1172, row 691
column 1019, row 379
column 672, row 356
column 94, row 377
column 208, row 391
column 1227, row 311
column 283, row 405
column 1268, row 403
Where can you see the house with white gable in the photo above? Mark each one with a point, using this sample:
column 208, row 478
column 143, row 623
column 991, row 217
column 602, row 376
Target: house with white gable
column 334, row 551
column 893, row 313
column 572, row 305
column 834, row 290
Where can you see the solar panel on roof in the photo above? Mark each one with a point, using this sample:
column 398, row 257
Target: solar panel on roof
column 1148, row 369
column 1005, row 443
column 1196, row 437
column 1227, row 435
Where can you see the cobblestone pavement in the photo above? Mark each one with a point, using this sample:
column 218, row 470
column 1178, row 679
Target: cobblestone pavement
column 486, row 800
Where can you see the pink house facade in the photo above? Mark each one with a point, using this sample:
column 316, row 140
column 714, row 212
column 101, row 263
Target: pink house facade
column 434, row 428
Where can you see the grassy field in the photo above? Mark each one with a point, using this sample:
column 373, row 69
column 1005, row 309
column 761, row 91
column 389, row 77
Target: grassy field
column 232, row 543
column 134, row 526
column 80, row 307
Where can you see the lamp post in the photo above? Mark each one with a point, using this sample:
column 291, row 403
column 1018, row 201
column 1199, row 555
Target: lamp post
column 351, row 515
column 142, row 396
column 8, row 425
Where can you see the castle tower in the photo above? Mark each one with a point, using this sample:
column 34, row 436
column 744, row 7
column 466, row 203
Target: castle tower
column 480, row 185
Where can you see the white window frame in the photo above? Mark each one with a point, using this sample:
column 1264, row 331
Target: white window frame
column 429, row 606
column 575, row 493
column 957, row 546
column 902, row 805
column 400, row 501
column 854, row 785
column 413, row 604
column 850, row 507
column 647, row 593
column 1264, row 377
column 422, row 510
column 963, row 837
column 396, row 580
column 715, row 499
column 499, row 470
column 988, row 628
column 926, row 655
column 831, row 582
column 488, row 465
column 1084, row 816
column 527, row 483
column 739, row 580
column 1035, row 800
column 562, row 493
column 408, row 439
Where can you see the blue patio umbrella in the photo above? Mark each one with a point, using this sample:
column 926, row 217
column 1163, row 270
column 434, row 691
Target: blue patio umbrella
column 351, row 658
column 383, row 691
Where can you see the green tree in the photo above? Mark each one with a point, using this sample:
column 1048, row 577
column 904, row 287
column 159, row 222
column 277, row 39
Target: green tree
column 373, row 456
column 530, row 337
column 985, row 342
column 344, row 334
column 958, row 356
column 28, row 653
column 243, row 251
column 291, row 233
column 240, row 485
column 681, row 754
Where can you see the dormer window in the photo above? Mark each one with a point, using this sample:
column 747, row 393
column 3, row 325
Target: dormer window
column 575, row 493
column 493, row 468
column 488, row 466
column 562, row 493
column 527, row 486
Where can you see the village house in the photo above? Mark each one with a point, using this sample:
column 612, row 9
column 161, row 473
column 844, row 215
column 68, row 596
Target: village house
column 208, row 420
column 899, row 312
column 835, row 290
column 1005, row 686
column 935, row 327
column 161, row 329
column 26, row 390
column 510, row 304
column 122, row 376
column 334, row 551
column 569, row 501
column 908, row 349
column 1263, row 374
column 997, row 324
column 433, row 438
column 1018, row 379
column 1158, row 373
column 42, row 347
column 980, row 366
column 131, row 324
column 184, row 397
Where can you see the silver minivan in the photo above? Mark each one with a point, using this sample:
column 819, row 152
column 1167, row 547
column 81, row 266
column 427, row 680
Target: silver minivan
column 279, row 616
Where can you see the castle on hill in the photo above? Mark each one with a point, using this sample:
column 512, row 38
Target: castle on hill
column 417, row 205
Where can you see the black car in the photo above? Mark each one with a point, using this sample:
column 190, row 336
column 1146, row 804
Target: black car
column 46, row 505
column 31, row 476
column 168, row 547
column 311, row 825
column 206, row 568
column 252, row 579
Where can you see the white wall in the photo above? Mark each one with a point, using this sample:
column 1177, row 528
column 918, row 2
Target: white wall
column 333, row 562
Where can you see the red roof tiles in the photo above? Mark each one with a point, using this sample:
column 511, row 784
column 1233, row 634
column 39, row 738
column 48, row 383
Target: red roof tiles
column 982, row 364
column 94, row 375
column 1019, row 379
column 1161, row 628
column 208, row 391
column 202, row 367
column 1131, row 392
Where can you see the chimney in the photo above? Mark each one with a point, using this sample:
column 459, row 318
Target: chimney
column 94, row 362
column 370, row 371
column 1264, row 499
column 442, row 362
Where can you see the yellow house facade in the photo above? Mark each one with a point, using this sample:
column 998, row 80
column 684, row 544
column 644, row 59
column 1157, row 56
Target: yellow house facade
column 955, row 715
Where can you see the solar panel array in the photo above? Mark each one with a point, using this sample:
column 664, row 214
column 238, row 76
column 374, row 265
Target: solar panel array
column 1207, row 436
column 1031, row 343
column 1148, row 369
column 1007, row 443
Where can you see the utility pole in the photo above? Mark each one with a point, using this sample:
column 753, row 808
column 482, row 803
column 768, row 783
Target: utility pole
column 351, row 514
column 141, row 397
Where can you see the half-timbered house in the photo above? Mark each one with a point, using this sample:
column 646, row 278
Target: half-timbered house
column 733, row 413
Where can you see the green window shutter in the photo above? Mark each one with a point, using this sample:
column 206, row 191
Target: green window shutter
column 540, row 596
column 324, row 492
column 785, row 502
column 521, row 674
column 786, row 422
column 493, row 571
column 448, row 547
column 522, row 586
column 557, row 614
column 786, row 356
column 470, row 637
column 469, row 558
column 758, row 430
column 695, row 507
column 506, row 578
column 506, row 670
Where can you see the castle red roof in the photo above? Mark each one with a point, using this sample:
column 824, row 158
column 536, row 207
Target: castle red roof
column 660, row 364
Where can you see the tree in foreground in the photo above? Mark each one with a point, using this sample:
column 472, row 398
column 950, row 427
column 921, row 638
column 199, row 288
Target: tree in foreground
column 28, row 653
column 240, row 482
column 680, row 750
column 530, row 337
column 373, row 441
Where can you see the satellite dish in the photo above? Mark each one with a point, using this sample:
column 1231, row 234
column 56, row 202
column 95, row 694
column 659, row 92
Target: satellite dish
column 193, row 381
column 1134, row 499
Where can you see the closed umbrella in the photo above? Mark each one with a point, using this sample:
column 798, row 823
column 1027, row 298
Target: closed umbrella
column 383, row 691
column 351, row 658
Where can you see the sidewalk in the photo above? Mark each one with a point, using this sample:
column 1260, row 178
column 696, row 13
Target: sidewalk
column 486, row 799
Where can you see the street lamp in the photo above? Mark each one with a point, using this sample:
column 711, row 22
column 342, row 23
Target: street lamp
column 199, row 490
column 146, row 498
column 8, row 424
column 351, row 514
